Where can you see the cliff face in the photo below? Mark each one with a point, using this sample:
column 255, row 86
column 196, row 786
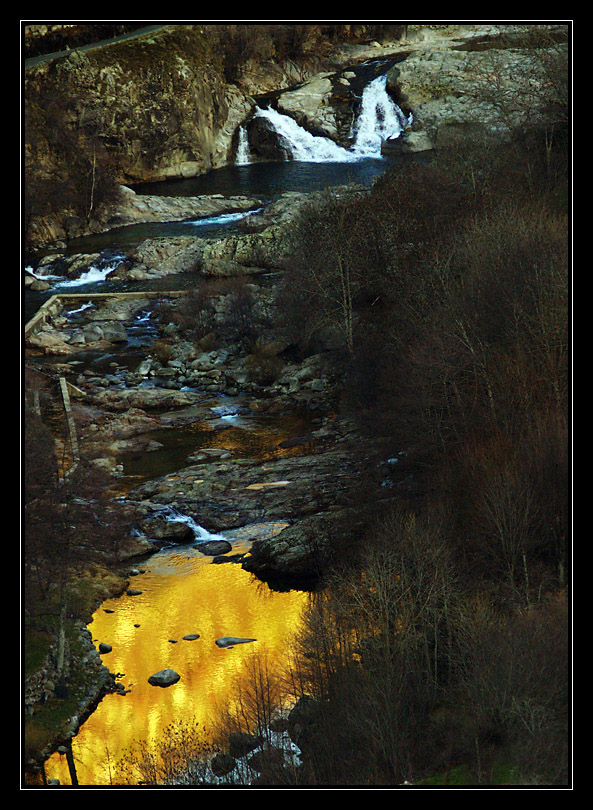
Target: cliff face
column 159, row 104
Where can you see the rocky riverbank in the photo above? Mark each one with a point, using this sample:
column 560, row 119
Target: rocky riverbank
column 296, row 460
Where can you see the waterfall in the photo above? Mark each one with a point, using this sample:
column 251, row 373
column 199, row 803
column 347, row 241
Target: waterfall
column 301, row 144
column 93, row 274
column 379, row 118
column 243, row 153
column 201, row 535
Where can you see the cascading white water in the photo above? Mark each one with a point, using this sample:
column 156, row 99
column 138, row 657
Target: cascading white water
column 301, row 144
column 201, row 535
column 92, row 275
column 379, row 118
column 243, row 152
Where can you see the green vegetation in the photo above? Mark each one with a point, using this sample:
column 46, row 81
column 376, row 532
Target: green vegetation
column 40, row 729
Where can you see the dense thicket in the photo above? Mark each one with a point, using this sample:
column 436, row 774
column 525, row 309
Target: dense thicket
column 69, row 516
column 443, row 645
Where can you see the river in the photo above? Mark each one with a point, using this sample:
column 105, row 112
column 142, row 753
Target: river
column 182, row 591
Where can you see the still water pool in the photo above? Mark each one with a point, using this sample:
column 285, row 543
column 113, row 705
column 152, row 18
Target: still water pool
column 183, row 593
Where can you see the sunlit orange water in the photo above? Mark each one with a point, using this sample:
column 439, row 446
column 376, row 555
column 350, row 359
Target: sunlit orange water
column 183, row 592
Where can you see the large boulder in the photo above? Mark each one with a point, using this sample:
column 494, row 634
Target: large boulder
column 165, row 532
column 241, row 743
column 298, row 551
column 265, row 142
column 214, row 547
column 310, row 106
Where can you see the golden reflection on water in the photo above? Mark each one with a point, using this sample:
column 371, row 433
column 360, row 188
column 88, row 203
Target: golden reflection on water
column 183, row 592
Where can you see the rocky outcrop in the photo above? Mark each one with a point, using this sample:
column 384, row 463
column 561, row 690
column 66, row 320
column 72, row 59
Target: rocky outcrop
column 160, row 102
column 478, row 85
column 310, row 105
column 164, row 678
column 133, row 208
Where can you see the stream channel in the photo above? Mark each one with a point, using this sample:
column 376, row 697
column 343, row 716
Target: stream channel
column 182, row 591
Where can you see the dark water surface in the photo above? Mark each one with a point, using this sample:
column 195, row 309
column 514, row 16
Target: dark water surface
column 265, row 181
column 268, row 180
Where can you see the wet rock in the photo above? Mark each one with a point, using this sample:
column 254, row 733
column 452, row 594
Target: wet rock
column 310, row 106
column 231, row 558
column 163, row 532
column 164, row 678
column 105, row 648
column 230, row 641
column 214, row 547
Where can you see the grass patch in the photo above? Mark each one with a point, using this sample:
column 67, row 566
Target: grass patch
column 42, row 728
column 455, row 776
column 37, row 643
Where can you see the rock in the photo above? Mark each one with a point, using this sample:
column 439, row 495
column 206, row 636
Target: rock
column 408, row 143
column 115, row 332
column 135, row 208
column 50, row 340
column 231, row 558
column 222, row 764
column 310, row 106
column 191, row 637
column 454, row 98
column 164, row 532
column 133, row 592
column 145, row 367
column 39, row 286
column 214, row 547
column 241, row 743
column 105, row 648
column 230, row 641
column 164, row 678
